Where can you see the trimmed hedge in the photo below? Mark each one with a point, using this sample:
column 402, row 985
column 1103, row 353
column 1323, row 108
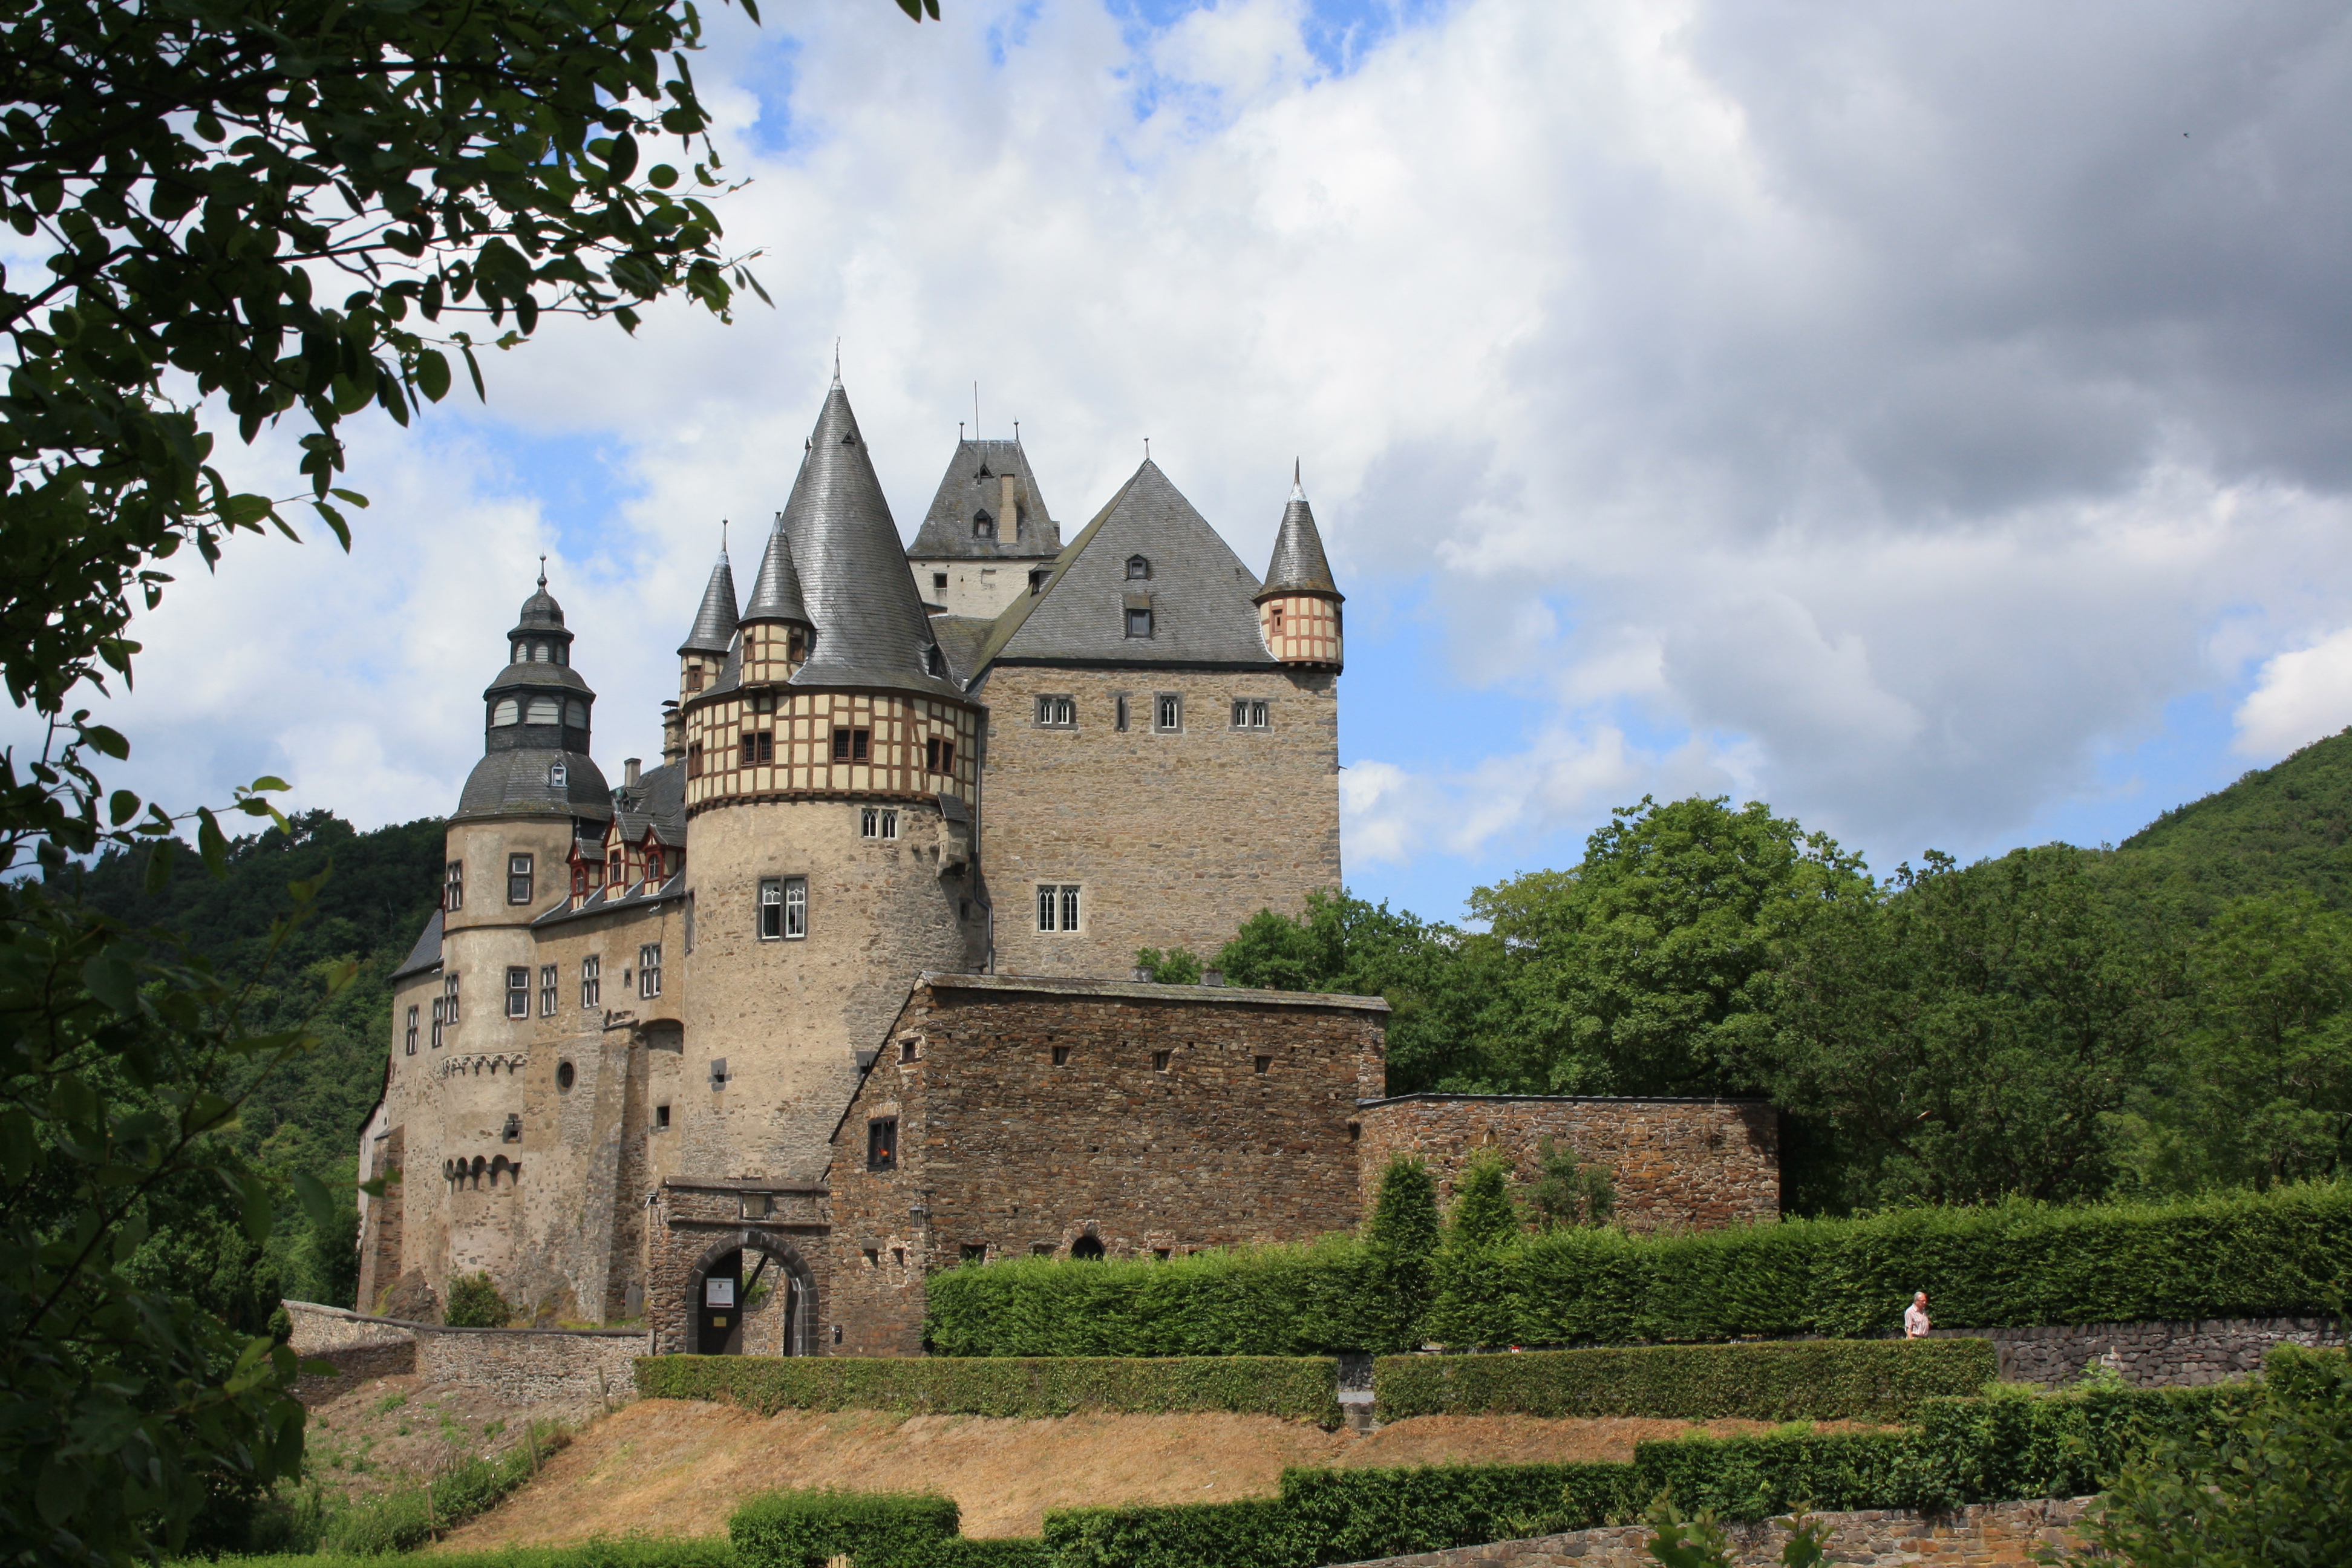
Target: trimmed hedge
column 1295, row 1387
column 875, row 1530
column 2286, row 1251
column 699, row 1552
column 1813, row 1380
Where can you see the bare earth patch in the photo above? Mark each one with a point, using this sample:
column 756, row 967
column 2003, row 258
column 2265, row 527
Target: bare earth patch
column 666, row 1467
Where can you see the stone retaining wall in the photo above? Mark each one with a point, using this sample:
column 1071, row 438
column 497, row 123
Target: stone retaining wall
column 524, row 1366
column 1986, row 1533
column 2152, row 1355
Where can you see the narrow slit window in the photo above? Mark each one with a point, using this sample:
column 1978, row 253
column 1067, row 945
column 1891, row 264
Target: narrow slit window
column 1120, row 719
column 412, row 1032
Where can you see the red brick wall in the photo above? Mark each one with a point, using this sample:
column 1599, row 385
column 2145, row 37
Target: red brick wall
column 1681, row 1164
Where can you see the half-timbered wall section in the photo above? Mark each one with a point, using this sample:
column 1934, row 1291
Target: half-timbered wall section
column 1300, row 628
column 766, row 745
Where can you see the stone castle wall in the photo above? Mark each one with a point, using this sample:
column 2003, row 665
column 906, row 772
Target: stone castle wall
column 1033, row 1116
column 522, row 1366
column 1175, row 839
column 1683, row 1164
column 2154, row 1354
column 1979, row 1536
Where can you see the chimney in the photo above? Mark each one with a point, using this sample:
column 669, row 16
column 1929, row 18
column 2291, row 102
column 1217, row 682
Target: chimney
column 1008, row 507
column 629, row 772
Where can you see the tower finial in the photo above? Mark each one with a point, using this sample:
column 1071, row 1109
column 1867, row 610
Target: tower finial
column 722, row 539
column 836, row 362
column 1146, row 448
column 542, row 572
column 1297, row 492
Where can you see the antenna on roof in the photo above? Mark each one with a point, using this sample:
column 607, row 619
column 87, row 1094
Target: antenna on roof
column 975, row 410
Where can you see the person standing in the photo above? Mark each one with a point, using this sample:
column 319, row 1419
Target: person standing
column 1915, row 1318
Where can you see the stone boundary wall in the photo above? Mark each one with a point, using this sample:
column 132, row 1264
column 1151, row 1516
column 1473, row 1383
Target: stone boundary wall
column 2153, row 1355
column 1988, row 1533
column 525, row 1366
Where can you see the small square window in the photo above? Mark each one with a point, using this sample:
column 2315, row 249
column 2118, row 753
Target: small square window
column 938, row 754
column 1137, row 568
column 1041, row 1249
column 906, row 1051
column 873, row 1256
column 876, row 822
column 897, row 1258
column 1057, row 906
column 758, row 1205
column 851, row 745
column 882, row 1144
column 1355, row 1132
column 1138, row 623
column 1061, row 1056
column 1160, row 1060
column 969, row 1252
column 1168, row 712
column 661, row 1116
column 512, row 1131
column 1259, row 1065
column 939, row 581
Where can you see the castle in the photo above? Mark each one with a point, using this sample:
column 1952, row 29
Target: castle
column 843, row 991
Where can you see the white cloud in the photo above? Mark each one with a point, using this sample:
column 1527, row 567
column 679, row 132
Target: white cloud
column 2299, row 698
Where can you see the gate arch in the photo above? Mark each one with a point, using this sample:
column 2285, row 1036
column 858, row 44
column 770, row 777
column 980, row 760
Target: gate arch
column 801, row 1306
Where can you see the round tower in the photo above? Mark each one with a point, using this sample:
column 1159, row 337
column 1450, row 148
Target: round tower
column 532, row 793
column 831, row 788
column 1299, row 609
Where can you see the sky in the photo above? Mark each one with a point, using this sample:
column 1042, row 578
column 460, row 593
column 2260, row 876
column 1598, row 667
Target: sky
column 1933, row 420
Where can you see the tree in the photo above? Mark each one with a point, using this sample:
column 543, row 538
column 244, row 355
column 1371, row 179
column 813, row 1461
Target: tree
column 1569, row 1193
column 1652, row 968
column 1971, row 1034
column 1400, row 1243
column 1474, row 1304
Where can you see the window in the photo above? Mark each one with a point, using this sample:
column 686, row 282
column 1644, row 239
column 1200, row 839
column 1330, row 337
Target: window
column 1061, row 1056
column 795, row 908
column 685, row 916
column 897, row 1258
column 1139, row 621
column 613, row 870
column 718, row 1073
column 1355, row 1132
column 757, row 1206
column 969, row 1252
column 506, row 710
column 518, row 991
column 546, row 987
column 849, row 745
column 1120, row 722
column 983, row 526
column 449, row 1000
column 545, row 710
column 906, row 1051
column 436, row 1023
column 649, row 970
column 452, row 886
column 519, row 878
column 1251, row 714
column 796, row 649
column 661, row 1117
column 1057, row 906
column 694, row 760
column 1160, row 1060
column 1259, row 1063
column 1137, row 568
column 1037, row 580
column 759, row 746
column 763, row 702
column 939, row 581
column 557, row 775
column 511, row 1132
column 875, row 821
column 1088, row 1248
column 934, row 661
column 1275, row 615
column 694, row 678
column 412, row 1032
column 657, row 863
column 882, row 1144
column 592, row 982
column 771, row 909
column 566, row 1075
column 1168, row 712
column 938, row 754
column 575, row 712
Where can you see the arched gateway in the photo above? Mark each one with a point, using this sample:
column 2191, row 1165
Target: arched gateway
column 751, row 1294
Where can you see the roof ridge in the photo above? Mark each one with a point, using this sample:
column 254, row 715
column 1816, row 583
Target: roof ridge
column 1010, row 622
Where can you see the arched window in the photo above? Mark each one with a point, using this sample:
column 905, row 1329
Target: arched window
column 506, row 710
column 539, row 653
column 575, row 713
column 545, row 710
column 1088, row 1247
column 983, row 526
column 1137, row 568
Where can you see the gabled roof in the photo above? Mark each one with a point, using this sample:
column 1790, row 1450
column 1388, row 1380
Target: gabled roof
column 1299, row 563
column 657, row 805
column 714, row 623
column 871, row 629
column 1200, row 592
column 975, row 483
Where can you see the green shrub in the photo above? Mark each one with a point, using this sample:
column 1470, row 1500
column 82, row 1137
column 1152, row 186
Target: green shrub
column 475, row 1303
column 997, row 1552
column 2288, row 1251
column 401, row 1520
column 875, row 1530
column 1357, row 1514
column 1815, row 1380
column 1759, row 1478
column 702, row 1551
column 1297, row 1388
column 1257, row 1533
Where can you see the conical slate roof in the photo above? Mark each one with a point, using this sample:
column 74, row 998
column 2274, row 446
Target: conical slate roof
column 714, row 623
column 1298, row 566
column 776, row 590
column 871, row 628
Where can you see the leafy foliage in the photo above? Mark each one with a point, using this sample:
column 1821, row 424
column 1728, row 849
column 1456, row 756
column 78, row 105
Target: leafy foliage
column 803, row 1529
column 1178, row 966
column 1296, row 1388
column 1569, row 1190
column 475, row 1303
column 631, row 1552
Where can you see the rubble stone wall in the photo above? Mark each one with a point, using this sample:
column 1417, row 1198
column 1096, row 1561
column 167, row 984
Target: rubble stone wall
column 2153, row 1355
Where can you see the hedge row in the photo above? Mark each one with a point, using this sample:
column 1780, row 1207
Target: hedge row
column 2005, row 1447
column 704, row 1552
column 1298, row 1388
column 873, row 1530
column 2287, row 1251
column 1802, row 1379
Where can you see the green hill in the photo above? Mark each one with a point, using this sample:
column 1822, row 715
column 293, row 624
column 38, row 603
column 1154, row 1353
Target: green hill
column 2275, row 828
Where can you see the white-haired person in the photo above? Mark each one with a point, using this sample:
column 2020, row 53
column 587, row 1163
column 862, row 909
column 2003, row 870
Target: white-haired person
column 1915, row 1318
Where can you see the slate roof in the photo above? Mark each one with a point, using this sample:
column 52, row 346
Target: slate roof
column 426, row 954
column 1200, row 592
column 1299, row 563
column 972, row 485
column 601, row 901
column 776, row 590
column 530, row 673
column 961, row 638
column 658, row 802
column 714, row 623
column 514, row 784
column 871, row 628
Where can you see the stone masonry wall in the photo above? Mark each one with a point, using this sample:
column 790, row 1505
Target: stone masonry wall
column 1174, row 838
column 2153, row 1355
column 695, row 1225
column 2001, row 1533
column 524, row 1366
column 1034, row 1115
column 1686, row 1164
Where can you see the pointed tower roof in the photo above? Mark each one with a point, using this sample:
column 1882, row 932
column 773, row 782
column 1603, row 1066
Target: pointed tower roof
column 871, row 628
column 1198, row 592
column 714, row 623
column 973, row 484
column 1298, row 566
column 776, row 590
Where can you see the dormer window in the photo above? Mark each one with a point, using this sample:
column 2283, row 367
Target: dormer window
column 1137, row 568
column 984, row 473
column 848, row 439
column 983, row 526
column 1138, row 622
column 557, row 774
column 932, row 663
column 1037, row 580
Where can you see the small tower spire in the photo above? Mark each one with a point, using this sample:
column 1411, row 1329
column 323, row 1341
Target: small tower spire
column 1298, row 608
column 543, row 573
column 714, row 621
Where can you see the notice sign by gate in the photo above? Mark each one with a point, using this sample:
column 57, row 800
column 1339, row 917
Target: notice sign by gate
column 719, row 1291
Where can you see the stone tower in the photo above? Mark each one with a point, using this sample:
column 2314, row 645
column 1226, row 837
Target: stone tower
column 987, row 539
column 831, row 781
column 534, row 791
column 1298, row 608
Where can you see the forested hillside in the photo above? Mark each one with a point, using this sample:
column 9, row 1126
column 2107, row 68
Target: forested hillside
column 380, row 889
column 2276, row 828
